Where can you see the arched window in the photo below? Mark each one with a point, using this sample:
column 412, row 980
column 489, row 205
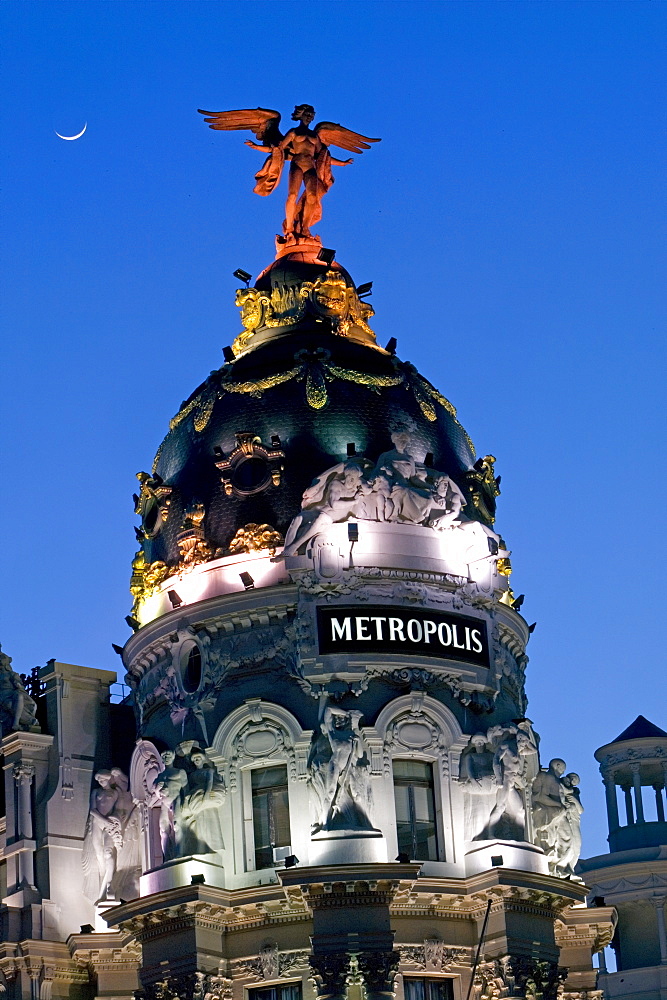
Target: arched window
column 191, row 667
column 416, row 813
column 270, row 813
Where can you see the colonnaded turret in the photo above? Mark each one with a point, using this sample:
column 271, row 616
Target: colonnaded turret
column 335, row 788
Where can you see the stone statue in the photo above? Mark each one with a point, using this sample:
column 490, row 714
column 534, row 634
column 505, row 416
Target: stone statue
column 557, row 813
column 568, row 834
column 338, row 773
column 477, row 777
column 507, row 820
column 169, row 787
column 548, row 806
column 397, row 489
column 308, row 152
column 17, row 708
column 111, row 860
column 200, row 816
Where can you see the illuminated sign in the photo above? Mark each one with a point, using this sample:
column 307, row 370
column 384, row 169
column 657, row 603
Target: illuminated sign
column 403, row 631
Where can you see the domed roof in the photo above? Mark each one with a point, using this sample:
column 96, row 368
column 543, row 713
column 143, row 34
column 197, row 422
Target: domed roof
column 307, row 387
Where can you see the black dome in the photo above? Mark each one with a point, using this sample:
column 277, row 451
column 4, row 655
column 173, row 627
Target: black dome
column 293, row 404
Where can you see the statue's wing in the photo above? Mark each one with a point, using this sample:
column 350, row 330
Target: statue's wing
column 262, row 121
column 332, row 134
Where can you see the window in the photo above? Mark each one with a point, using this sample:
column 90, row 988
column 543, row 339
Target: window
column 286, row 991
column 414, row 795
column 191, row 668
column 427, row 989
column 270, row 816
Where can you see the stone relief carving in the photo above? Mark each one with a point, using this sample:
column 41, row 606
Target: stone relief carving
column 397, row 488
column 17, row 708
column 433, row 955
column 191, row 986
column 414, row 731
column 518, row 976
column 493, row 772
column 557, row 813
column 111, row 858
column 271, row 963
column 339, row 773
column 259, row 740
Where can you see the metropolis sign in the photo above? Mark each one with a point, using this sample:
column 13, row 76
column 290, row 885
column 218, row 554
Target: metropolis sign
column 402, row 631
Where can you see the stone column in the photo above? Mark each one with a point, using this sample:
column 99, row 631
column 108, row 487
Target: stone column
column 659, row 803
column 378, row 970
column 659, row 903
column 612, row 801
column 23, row 774
column 330, row 973
column 637, row 785
column 629, row 811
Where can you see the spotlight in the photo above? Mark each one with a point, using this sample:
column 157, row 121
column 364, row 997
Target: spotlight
column 174, row 598
column 228, row 354
column 242, row 275
column 351, row 449
column 403, row 858
column 218, row 452
column 139, row 532
column 496, row 860
column 531, row 628
column 247, row 581
column 275, row 441
column 87, row 929
column 116, row 648
column 518, row 602
column 133, row 623
column 326, row 256
column 291, row 861
column 390, row 346
column 198, row 880
column 365, row 289
column 353, row 532
column 428, row 461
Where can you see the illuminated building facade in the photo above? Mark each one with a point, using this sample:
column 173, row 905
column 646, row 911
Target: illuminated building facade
column 333, row 788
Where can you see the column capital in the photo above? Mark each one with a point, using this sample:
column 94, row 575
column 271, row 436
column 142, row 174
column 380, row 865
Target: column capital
column 23, row 772
column 329, row 973
column 378, row 970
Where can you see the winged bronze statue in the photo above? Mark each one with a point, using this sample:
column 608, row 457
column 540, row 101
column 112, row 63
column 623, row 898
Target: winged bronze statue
column 307, row 150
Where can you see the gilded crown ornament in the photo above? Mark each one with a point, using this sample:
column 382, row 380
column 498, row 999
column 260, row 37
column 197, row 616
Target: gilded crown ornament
column 307, row 150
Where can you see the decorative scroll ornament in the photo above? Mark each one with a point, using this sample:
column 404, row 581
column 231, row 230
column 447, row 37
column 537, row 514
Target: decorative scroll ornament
column 251, row 467
column 256, row 538
column 191, row 540
column 152, row 503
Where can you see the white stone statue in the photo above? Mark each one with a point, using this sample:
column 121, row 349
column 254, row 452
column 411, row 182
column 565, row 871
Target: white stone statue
column 169, row 788
column 397, row 489
column 111, row 848
column 338, row 773
column 17, row 708
column 200, row 816
column 477, row 776
column 557, row 813
column 507, row 820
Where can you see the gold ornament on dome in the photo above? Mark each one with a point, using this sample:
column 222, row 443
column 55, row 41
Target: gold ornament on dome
column 256, row 538
column 191, row 541
column 265, row 468
column 328, row 296
column 152, row 502
column 484, row 486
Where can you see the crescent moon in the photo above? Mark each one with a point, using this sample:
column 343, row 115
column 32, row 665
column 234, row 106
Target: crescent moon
column 70, row 138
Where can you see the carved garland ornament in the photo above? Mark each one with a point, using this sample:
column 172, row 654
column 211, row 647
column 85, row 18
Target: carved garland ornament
column 314, row 368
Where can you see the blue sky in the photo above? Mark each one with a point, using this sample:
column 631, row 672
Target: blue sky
column 512, row 220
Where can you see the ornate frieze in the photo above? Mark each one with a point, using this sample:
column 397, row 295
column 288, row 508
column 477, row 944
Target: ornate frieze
column 433, row 955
